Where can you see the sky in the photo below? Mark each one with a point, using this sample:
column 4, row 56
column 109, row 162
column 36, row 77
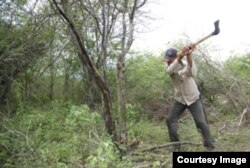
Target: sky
column 194, row 18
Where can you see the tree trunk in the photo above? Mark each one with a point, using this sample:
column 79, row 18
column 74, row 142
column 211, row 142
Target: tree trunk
column 66, row 86
column 51, row 90
column 5, row 89
column 90, row 95
column 86, row 61
column 5, row 86
column 121, row 99
column 126, row 42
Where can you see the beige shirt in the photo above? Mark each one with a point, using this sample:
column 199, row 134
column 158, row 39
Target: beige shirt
column 186, row 90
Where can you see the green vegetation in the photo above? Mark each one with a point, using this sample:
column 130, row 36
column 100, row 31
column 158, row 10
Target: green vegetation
column 70, row 134
column 61, row 107
column 66, row 135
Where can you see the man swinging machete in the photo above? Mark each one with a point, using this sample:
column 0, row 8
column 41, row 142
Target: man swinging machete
column 187, row 95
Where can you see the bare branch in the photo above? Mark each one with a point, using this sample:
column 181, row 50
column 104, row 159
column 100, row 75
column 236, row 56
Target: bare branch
column 142, row 4
column 170, row 144
column 246, row 110
column 93, row 14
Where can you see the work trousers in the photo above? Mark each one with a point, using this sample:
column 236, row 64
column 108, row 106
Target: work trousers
column 199, row 117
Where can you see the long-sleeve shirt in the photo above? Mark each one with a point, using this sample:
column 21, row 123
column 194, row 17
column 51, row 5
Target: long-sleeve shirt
column 186, row 90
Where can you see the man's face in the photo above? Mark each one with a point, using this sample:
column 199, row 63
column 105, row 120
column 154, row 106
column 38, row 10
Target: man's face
column 169, row 60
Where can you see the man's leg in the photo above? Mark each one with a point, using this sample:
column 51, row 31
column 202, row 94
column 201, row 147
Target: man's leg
column 172, row 121
column 197, row 112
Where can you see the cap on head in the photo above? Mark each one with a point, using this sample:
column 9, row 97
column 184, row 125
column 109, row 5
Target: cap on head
column 170, row 53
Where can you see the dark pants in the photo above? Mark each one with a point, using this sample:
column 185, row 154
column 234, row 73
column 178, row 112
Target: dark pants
column 199, row 117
